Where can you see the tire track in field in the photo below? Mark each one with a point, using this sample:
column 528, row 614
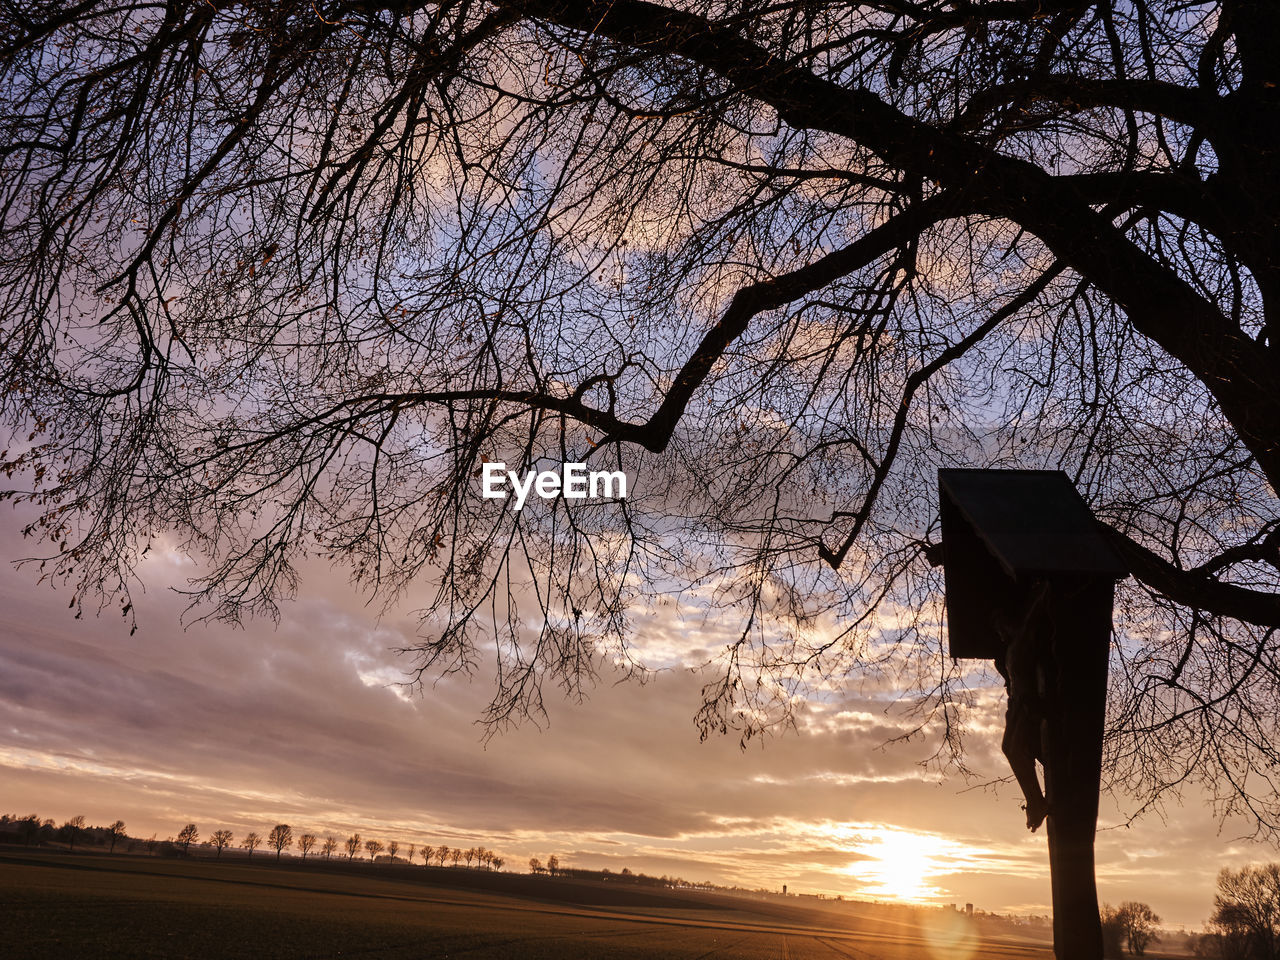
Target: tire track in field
column 714, row 950
column 844, row 950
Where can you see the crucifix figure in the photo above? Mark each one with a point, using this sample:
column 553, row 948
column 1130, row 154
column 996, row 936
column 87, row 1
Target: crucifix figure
column 1029, row 584
column 1026, row 688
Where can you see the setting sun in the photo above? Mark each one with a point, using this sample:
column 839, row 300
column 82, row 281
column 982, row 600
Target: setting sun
column 902, row 866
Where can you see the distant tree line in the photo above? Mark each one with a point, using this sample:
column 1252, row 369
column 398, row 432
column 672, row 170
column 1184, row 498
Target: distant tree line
column 554, row 868
column 31, row 830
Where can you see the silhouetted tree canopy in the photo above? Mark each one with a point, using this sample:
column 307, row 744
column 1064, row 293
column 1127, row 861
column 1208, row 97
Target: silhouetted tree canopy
column 72, row 830
column 305, row 843
column 187, row 836
column 115, row 832
column 280, row 838
column 278, row 279
column 251, row 842
column 221, row 839
column 1138, row 922
column 1246, row 913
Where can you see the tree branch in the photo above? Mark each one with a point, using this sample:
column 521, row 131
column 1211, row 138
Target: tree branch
column 1193, row 588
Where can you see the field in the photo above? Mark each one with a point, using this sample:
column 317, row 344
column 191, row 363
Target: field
column 60, row 906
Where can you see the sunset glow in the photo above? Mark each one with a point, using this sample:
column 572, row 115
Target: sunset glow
column 902, row 867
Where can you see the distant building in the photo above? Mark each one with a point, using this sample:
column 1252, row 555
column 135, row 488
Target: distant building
column 968, row 909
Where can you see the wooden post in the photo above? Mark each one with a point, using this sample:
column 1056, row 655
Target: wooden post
column 1073, row 731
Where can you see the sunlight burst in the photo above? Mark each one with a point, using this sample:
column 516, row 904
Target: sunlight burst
column 902, row 865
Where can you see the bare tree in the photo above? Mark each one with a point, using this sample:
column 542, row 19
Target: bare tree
column 497, row 863
column 1246, row 913
column 187, row 836
column 553, row 865
column 535, row 865
column 305, row 843
column 353, row 846
column 810, row 249
column 221, row 839
column 392, row 849
column 374, row 847
column 329, row 845
column 29, row 827
column 251, row 842
column 1138, row 921
column 72, row 829
column 469, row 855
column 1112, row 931
column 114, row 833
column 442, row 853
column 280, row 837
column 413, row 848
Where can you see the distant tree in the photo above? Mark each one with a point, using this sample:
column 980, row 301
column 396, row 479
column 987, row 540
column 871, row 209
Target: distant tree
column 497, row 863
column 442, row 853
column 1112, row 932
column 374, row 847
column 280, row 837
column 187, row 836
column 553, row 864
column 428, row 854
column 251, row 843
column 535, row 865
column 72, row 829
column 392, row 849
column 412, row 848
column 455, row 855
column 1246, row 913
column 114, row 833
column 469, row 855
column 29, row 828
column 305, row 843
column 1208, row 945
column 1139, row 922
column 329, row 845
column 353, row 846
column 220, row 839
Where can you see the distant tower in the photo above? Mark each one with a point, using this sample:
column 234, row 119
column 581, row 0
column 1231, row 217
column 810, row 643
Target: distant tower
column 968, row 908
column 784, row 889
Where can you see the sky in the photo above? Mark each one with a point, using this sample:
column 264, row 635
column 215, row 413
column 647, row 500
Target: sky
column 305, row 723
